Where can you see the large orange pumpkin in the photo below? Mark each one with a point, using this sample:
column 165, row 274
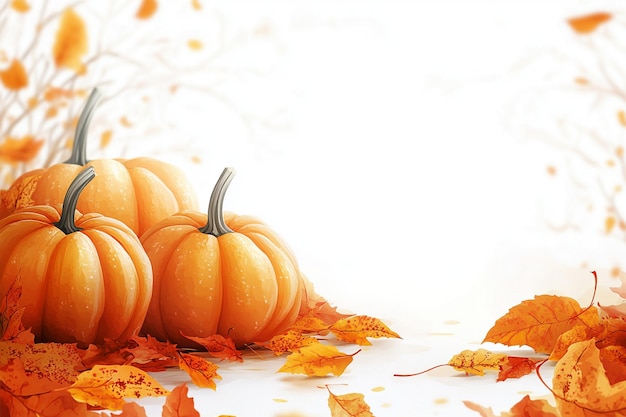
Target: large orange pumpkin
column 218, row 273
column 138, row 191
column 85, row 277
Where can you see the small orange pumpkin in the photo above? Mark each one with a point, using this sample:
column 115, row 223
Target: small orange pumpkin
column 138, row 191
column 218, row 273
column 85, row 278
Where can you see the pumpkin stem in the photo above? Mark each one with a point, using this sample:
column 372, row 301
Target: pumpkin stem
column 215, row 224
column 67, row 221
column 79, row 147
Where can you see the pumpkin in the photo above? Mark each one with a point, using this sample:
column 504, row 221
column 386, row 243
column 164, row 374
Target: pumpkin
column 138, row 191
column 85, row 277
column 219, row 273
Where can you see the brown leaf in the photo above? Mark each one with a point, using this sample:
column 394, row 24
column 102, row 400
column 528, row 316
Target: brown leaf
column 25, row 149
column 177, row 404
column 581, row 386
column 317, row 360
column 70, row 43
column 476, row 362
column 219, row 347
column 588, row 23
column 201, row 371
column 540, row 322
column 357, row 329
column 524, row 408
column 348, row 405
column 14, row 77
column 147, row 8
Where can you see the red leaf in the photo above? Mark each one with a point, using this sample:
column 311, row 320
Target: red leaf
column 516, row 367
column 218, row 346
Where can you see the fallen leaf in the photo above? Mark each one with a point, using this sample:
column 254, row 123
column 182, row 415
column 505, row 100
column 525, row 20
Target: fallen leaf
column 147, row 8
column 287, row 342
column 476, row 362
column 147, row 350
column 516, row 367
column 70, row 44
column 25, row 149
column 348, row 405
column 132, row 409
column 11, row 326
column 317, row 360
column 14, row 77
column 309, row 324
column 106, row 386
column 524, row 408
column 55, row 403
column 202, row 372
column 357, row 329
column 219, row 347
column 540, row 322
column 581, row 386
column 178, row 404
column 588, row 23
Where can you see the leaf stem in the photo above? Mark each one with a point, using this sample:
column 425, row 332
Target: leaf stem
column 79, row 147
column 67, row 222
column 215, row 224
column 422, row 372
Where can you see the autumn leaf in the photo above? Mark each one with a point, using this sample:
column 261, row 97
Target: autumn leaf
column 219, row 347
column 524, row 408
column 11, row 326
column 477, row 362
column 581, row 386
column 540, row 322
column 111, row 352
column 131, row 409
column 25, row 149
column 54, row 403
column 287, row 342
column 201, row 371
column 147, row 8
column 516, row 367
column 106, row 386
column 70, row 43
column 178, row 404
column 20, row 6
column 588, row 23
column 14, row 77
column 323, row 310
column 151, row 354
column 357, row 329
column 309, row 324
column 348, row 405
column 317, row 360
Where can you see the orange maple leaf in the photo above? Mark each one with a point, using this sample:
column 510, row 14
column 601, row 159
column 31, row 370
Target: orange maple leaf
column 70, row 43
column 317, row 359
column 588, row 23
column 16, row 150
column 14, row 77
column 218, row 346
column 348, row 405
column 106, row 386
column 202, row 372
column 524, row 408
column 540, row 322
column 581, row 385
column 178, row 404
column 151, row 354
column 516, row 367
column 287, row 342
column 357, row 329
column 11, row 326
column 147, row 8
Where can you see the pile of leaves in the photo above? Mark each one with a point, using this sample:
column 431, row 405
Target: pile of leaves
column 50, row 379
column 587, row 345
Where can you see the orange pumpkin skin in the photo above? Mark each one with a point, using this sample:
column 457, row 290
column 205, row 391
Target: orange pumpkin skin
column 84, row 286
column 244, row 283
column 138, row 191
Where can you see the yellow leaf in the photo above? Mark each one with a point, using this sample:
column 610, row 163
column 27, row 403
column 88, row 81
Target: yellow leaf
column 20, row 6
column 310, row 324
column 477, row 362
column 317, row 360
column 356, row 329
column 107, row 385
column 70, row 44
column 14, row 77
column 287, row 342
column 195, row 44
column 348, row 405
column 147, row 8
column 105, row 138
column 13, row 150
column 201, row 371
column 588, row 23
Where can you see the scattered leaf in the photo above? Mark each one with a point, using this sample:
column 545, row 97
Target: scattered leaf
column 524, row 408
column 178, row 404
column 287, row 342
column 317, row 360
column 25, row 149
column 11, row 327
column 107, row 385
column 219, row 347
column 70, row 44
column 309, row 324
column 516, row 367
column 14, row 77
column 201, row 371
column 588, row 23
column 357, row 329
column 477, row 362
column 348, row 405
column 147, row 8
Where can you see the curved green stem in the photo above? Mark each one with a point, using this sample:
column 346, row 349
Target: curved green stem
column 215, row 224
column 79, row 147
column 67, row 222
